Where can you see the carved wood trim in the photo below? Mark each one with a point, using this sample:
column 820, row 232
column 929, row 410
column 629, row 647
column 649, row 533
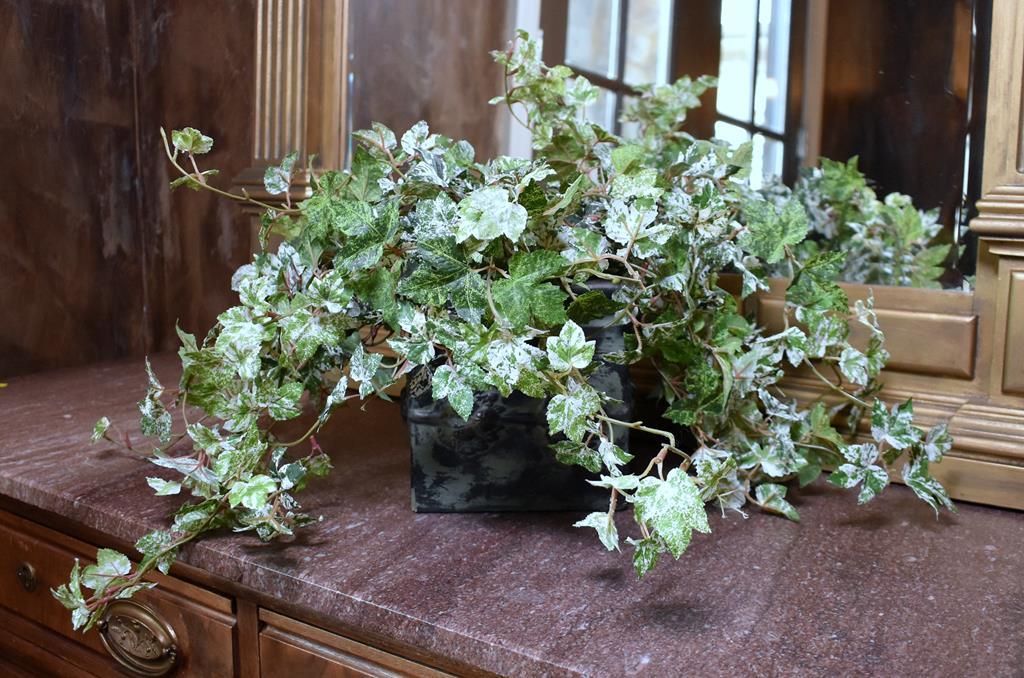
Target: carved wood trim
column 301, row 74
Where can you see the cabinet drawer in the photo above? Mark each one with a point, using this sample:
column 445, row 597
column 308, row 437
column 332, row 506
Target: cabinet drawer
column 203, row 622
column 289, row 647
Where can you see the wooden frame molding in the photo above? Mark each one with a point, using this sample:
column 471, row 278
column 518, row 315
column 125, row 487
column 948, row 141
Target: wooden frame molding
column 301, row 90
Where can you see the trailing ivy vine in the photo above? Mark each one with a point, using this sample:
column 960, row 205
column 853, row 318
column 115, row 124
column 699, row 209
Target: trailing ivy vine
column 480, row 270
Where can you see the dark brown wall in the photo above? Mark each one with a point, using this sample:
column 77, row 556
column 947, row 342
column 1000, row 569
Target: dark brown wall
column 896, row 84
column 97, row 259
column 430, row 60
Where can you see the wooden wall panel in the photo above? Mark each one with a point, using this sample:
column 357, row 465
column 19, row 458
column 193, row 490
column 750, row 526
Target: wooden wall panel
column 98, row 261
column 430, row 60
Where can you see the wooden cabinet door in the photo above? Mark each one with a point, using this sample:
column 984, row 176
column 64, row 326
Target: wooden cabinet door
column 291, row 648
column 37, row 629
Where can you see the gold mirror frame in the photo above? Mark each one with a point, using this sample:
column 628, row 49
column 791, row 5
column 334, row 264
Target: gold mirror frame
column 959, row 355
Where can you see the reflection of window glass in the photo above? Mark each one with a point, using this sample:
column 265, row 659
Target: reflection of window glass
column 602, row 111
column 592, row 29
column 648, row 32
column 753, row 79
column 614, row 42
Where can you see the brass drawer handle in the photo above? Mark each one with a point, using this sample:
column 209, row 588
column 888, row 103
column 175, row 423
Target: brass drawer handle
column 27, row 576
column 138, row 638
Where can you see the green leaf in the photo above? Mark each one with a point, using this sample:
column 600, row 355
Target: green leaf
column 645, row 555
column 592, row 305
column 190, row 181
column 918, row 477
column 937, row 442
column 155, row 547
column 191, row 140
column 154, row 420
column 627, row 158
column 854, row 366
column 604, row 524
column 523, row 298
column 672, row 508
column 365, row 249
column 278, row 178
column 814, row 285
column 567, row 412
column 99, row 430
column 896, row 427
column 578, row 454
column 252, row 493
column 164, row 487
column 487, row 213
column 446, row 383
column 772, row 497
column 570, row 349
column 770, row 232
column 109, row 564
column 363, row 368
column 285, row 403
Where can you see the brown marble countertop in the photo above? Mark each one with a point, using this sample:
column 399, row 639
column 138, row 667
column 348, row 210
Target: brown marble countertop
column 881, row 589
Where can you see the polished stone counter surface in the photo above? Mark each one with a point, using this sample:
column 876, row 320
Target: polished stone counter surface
column 882, row 589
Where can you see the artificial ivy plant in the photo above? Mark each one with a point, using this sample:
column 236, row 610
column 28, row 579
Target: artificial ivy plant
column 479, row 270
column 887, row 241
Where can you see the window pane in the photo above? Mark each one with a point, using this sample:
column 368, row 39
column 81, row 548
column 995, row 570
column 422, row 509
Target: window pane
column 736, row 65
column 731, row 133
column 630, row 130
column 772, row 65
column 602, row 111
column 767, row 159
column 648, row 26
column 591, row 40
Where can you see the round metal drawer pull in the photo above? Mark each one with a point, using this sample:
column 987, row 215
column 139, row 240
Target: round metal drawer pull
column 138, row 638
column 27, row 576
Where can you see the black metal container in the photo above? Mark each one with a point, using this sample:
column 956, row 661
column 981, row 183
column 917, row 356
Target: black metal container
column 500, row 460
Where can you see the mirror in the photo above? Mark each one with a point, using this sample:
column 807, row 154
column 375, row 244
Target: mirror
column 870, row 113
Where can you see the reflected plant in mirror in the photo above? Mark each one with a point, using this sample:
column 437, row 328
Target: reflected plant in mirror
column 885, row 241
column 477, row 272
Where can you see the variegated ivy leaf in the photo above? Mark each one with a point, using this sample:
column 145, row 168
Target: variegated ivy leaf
column 164, row 487
column 284, row 402
column 861, row 469
column 917, row 477
column 191, row 140
column 770, row 232
column 604, row 523
column 239, row 342
column 640, row 185
column 623, row 484
column 507, row 358
column 154, row 419
column 613, row 456
column 416, row 138
column 278, row 178
column 626, row 224
column 772, row 497
column 578, row 454
column 363, row 368
column 436, row 218
column 937, row 442
column 335, row 398
column 251, row 493
column 523, row 298
column 854, row 366
column 645, row 554
column 157, row 546
column 671, row 508
column 329, row 291
column 446, row 383
column 110, row 564
column 99, row 430
column 894, row 427
column 568, row 412
column 570, row 349
column 487, row 213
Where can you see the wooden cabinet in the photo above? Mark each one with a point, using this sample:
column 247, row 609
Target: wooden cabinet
column 287, row 646
column 213, row 634
column 34, row 559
